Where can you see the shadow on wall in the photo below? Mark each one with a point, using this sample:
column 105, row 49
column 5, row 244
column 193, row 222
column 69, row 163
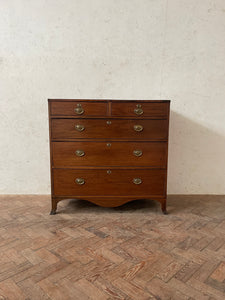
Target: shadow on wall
column 196, row 158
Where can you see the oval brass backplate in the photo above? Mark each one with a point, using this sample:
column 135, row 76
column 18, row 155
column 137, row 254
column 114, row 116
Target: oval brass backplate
column 80, row 153
column 79, row 127
column 79, row 109
column 137, row 181
column 137, row 153
column 138, row 111
column 138, row 128
column 80, row 181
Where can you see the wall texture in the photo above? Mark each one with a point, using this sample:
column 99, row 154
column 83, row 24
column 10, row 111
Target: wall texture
column 125, row 49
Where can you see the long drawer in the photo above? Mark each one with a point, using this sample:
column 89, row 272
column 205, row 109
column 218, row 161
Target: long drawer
column 84, row 153
column 109, row 129
column 114, row 182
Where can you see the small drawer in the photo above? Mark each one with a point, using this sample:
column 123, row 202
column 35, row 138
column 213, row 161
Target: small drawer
column 78, row 108
column 72, row 154
column 110, row 182
column 140, row 109
column 109, row 129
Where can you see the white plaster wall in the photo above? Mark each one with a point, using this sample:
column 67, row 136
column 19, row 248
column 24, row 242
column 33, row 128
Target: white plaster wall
column 124, row 49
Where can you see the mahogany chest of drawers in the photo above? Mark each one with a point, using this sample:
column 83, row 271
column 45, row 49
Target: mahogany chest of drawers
column 108, row 152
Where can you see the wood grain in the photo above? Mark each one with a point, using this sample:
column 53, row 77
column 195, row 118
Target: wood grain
column 109, row 154
column 118, row 129
column 118, row 183
column 68, row 108
column 149, row 109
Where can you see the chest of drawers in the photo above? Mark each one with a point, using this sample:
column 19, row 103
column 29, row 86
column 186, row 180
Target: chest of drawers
column 108, row 152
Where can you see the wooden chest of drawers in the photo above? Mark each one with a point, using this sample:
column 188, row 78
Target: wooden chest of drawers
column 108, row 151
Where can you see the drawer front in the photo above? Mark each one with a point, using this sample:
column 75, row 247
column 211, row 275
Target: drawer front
column 106, row 128
column 72, row 154
column 79, row 109
column 140, row 109
column 100, row 182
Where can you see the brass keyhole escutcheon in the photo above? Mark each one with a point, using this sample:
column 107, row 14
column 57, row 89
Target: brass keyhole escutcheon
column 108, row 145
column 109, row 122
column 109, row 171
column 79, row 109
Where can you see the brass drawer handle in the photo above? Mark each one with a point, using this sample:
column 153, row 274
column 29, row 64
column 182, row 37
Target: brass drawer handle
column 79, row 127
column 80, row 181
column 79, row 109
column 138, row 111
column 80, row 153
column 138, row 128
column 137, row 181
column 137, row 153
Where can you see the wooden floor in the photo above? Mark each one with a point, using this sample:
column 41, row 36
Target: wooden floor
column 130, row 252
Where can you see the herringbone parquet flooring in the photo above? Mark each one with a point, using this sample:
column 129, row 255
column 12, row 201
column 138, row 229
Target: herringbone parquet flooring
column 130, row 252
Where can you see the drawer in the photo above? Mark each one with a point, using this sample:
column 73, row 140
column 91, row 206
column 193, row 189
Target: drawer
column 72, row 154
column 79, row 109
column 109, row 129
column 101, row 182
column 140, row 109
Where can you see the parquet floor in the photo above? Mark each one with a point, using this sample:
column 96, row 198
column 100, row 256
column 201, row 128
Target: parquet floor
column 130, row 252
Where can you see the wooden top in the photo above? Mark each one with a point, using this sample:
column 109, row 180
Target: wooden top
column 105, row 100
